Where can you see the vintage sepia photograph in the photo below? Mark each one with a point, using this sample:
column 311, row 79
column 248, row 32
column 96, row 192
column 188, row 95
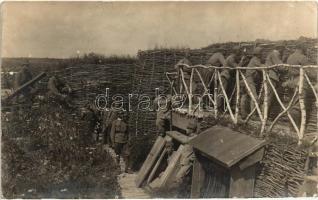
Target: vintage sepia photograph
column 143, row 100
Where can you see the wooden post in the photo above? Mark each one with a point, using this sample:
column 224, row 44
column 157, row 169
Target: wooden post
column 237, row 102
column 215, row 94
column 302, row 104
column 265, row 105
column 190, row 90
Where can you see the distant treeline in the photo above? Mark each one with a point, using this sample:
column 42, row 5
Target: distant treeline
column 53, row 64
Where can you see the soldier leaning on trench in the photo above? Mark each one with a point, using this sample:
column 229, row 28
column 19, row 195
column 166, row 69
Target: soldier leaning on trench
column 107, row 119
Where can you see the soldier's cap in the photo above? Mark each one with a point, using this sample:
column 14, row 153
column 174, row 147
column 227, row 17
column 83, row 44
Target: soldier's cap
column 236, row 48
column 280, row 47
column 257, row 50
column 301, row 46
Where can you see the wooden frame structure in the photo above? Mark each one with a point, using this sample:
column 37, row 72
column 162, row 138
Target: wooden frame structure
column 261, row 107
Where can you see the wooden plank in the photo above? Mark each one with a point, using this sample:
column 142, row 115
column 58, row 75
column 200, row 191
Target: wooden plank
column 242, row 182
column 156, row 166
column 198, row 176
column 183, row 139
column 225, row 146
column 163, row 179
column 171, row 167
column 24, row 86
column 150, row 160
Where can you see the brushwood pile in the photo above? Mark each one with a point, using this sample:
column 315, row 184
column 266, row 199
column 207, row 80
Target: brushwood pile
column 48, row 152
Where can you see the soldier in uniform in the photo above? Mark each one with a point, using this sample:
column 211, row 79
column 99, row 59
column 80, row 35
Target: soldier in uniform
column 59, row 91
column 273, row 58
column 22, row 77
column 252, row 76
column 107, row 119
column 90, row 114
column 231, row 61
column 120, row 139
column 296, row 58
column 217, row 60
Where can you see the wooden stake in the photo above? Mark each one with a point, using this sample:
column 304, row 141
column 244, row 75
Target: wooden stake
column 237, row 102
column 302, row 104
column 265, row 105
column 190, row 92
column 215, row 94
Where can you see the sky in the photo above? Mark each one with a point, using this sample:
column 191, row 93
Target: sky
column 60, row 29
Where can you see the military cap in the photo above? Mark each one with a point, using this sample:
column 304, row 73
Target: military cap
column 257, row 50
column 301, row 46
column 236, row 48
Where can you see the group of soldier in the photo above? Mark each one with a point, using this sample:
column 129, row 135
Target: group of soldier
column 253, row 76
column 114, row 129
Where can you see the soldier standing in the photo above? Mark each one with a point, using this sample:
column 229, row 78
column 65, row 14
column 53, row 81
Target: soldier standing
column 252, row 76
column 273, row 58
column 90, row 114
column 231, row 61
column 296, row 58
column 217, row 60
column 107, row 119
column 120, row 139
